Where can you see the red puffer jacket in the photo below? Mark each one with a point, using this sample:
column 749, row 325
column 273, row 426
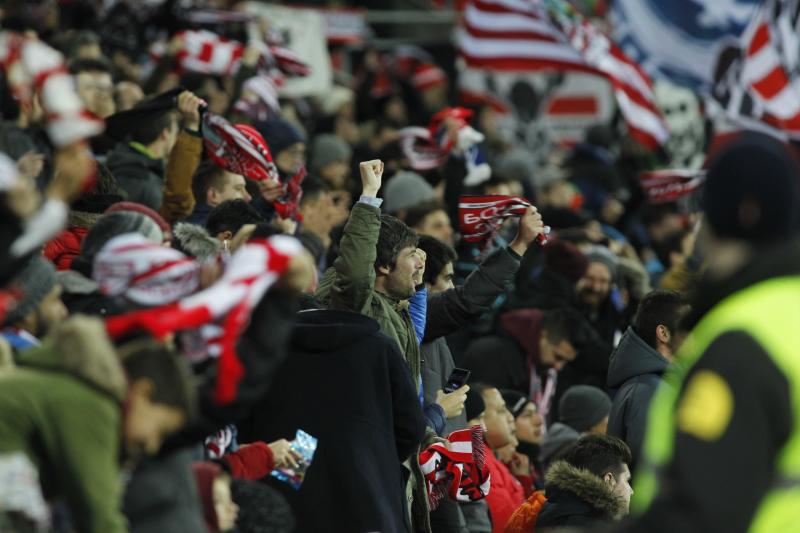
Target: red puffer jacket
column 64, row 248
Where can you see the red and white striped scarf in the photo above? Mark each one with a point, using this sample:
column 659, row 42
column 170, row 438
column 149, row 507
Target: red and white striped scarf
column 227, row 304
column 427, row 148
column 32, row 67
column 458, row 469
column 207, row 53
column 480, row 217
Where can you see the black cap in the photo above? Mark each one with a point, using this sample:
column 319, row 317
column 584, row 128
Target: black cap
column 751, row 191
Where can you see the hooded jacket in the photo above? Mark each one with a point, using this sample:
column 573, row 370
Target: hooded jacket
column 139, row 175
column 346, row 384
column 505, row 360
column 577, row 498
column 635, row 369
column 62, row 408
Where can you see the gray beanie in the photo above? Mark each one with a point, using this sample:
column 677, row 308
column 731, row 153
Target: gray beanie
column 406, row 189
column 601, row 254
column 109, row 226
column 35, row 281
column 583, row 406
column 329, row 148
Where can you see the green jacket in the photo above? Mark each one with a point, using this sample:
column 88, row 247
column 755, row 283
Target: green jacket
column 349, row 285
column 62, row 407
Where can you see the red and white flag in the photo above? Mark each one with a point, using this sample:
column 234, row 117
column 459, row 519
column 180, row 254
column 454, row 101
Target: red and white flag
column 529, row 35
column 770, row 64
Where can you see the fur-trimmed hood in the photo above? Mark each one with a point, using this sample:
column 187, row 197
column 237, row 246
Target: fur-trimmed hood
column 195, row 241
column 80, row 346
column 564, row 478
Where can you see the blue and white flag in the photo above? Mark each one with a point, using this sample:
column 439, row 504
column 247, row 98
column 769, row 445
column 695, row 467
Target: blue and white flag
column 679, row 39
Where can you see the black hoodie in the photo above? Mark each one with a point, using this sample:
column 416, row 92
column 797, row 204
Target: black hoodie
column 346, row 384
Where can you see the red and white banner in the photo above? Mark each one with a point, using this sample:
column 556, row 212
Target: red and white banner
column 664, row 186
column 520, row 35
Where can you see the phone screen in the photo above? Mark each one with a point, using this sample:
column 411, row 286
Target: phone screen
column 456, row 380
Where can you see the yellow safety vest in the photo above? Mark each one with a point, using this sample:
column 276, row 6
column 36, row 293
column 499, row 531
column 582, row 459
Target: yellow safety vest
column 770, row 313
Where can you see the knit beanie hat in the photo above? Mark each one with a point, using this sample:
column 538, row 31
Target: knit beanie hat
column 583, row 406
column 35, row 281
column 329, row 148
column 406, row 189
column 600, row 254
column 280, row 134
column 751, row 190
column 109, row 226
column 473, row 405
column 566, row 259
column 515, row 401
column 166, row 229
column 144, row 272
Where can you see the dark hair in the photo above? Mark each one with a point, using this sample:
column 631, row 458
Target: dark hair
column 599, row 454
column 671, row 243
column 262, row 509
column 394, row 236
column 231, row 215
column 438, row 255
column 206, row 176
column 566, row 324
column 144, row 358
column 82, row 38
column 417, row 214
column 480, row 387
column 89, row 65
column 147, row 131
column 659, row 307
column 313, row 188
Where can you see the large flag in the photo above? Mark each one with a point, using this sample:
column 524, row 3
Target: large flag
column 520, row 35
column 679, row 40
column 757, row 83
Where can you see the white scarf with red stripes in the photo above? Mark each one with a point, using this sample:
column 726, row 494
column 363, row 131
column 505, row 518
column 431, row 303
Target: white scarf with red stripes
column 32, row 67
column 227, row 304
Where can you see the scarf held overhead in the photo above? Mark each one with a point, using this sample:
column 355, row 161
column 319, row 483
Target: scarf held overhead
column 227, row 304
column 480, row 217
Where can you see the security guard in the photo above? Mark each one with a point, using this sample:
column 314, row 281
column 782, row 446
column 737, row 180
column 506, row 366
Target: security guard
column 722, row 448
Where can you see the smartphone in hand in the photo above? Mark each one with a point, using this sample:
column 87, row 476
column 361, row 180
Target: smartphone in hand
column 457, row 379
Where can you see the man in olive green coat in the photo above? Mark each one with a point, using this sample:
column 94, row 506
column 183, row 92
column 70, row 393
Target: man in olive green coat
column 62, row 407
column 375, row 275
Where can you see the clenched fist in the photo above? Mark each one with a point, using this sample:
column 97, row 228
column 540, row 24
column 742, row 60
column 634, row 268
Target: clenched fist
column 371, row 174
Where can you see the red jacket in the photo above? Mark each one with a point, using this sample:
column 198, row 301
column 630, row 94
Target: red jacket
column 66, row 247
column 505, row 494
